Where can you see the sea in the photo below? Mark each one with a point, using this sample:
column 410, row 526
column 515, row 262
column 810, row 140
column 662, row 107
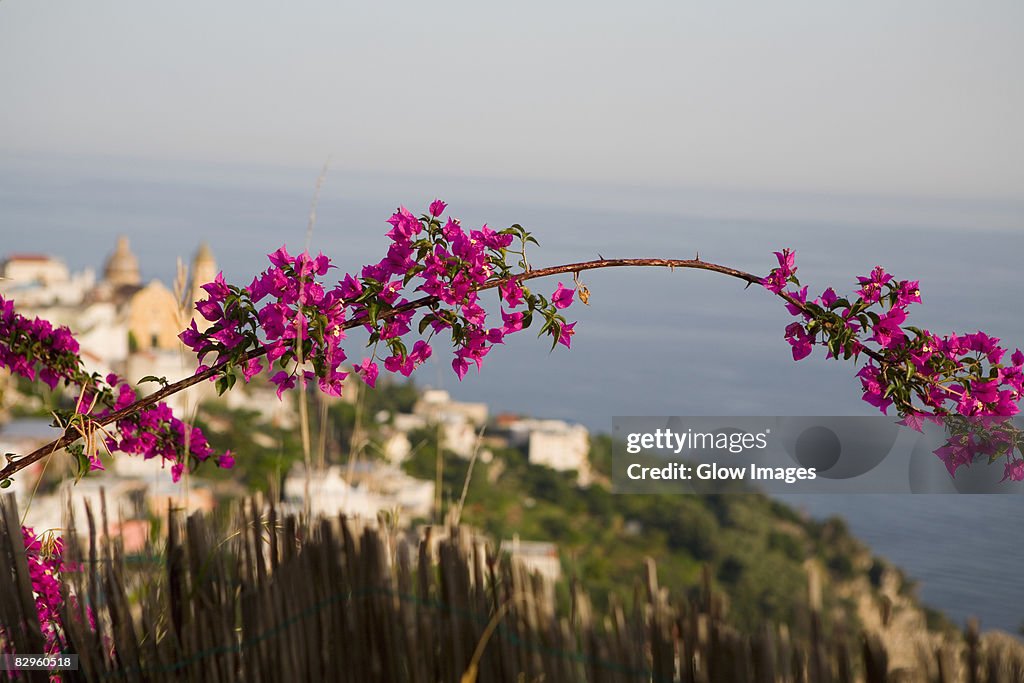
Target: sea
column 650, row 342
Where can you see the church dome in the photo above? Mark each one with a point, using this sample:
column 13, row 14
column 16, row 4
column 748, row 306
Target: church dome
column 204, row 254
column 122, row 267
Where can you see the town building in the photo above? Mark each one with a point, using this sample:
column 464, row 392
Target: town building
column 555, row 444
column 535, row 556
column 363, row 491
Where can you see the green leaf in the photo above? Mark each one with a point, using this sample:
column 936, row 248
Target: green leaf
column 412, row 272
column 398, row 348
column 814, row 308
column 367, row 294
column 162, row 381
column 82, row 464
column 316, row 331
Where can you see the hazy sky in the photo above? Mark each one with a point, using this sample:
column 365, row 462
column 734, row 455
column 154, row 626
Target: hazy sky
column 902, row 98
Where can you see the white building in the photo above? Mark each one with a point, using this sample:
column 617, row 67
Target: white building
column 459, row 422
column 38, row 280
column 172, row 366
column 397, row 448
column 261, row 397
column 100, row 330
column 535, row 556
column 555, row 444
column 379, row 489
column 436, row 405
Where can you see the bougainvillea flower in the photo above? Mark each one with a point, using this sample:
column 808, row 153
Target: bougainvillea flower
column 562, row 298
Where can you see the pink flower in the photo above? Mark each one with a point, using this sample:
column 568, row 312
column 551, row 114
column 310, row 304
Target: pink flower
column 562, row 298
column 513, row 322
column 986, row 392
column 565, row 333
column 281, row 258
column 218, row 289
column 511, row 292
column 800, row 340
column 955, row 454
column 800, row 296
column 913, row 420
column 209, row 309
column 404, row 225
column 350, row 288
column 1013, row 470
column 982, row 343
column 887, row 332
column 284, row 382
column 871, row 286
column 437, row 207
column 874, row 391
column 421, row 351
column 829, row 297
column 909, row 292
column 251, row 368
column 460, row 366
column 779, row 277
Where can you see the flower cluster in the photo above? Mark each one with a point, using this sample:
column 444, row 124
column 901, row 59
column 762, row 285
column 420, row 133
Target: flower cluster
column 45, row 562
column 44, row 557
column 285, row 313
column 919, row 373
column 154, row 432
column 430, row 280
column 35, row 348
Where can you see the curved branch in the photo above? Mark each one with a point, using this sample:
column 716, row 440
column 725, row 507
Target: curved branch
column 70, row 436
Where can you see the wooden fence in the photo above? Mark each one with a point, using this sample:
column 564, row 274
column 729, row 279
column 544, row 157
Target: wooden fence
column 279, row 600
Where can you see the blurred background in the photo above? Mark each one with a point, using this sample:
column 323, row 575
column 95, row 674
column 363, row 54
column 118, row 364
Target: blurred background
column 877, row 134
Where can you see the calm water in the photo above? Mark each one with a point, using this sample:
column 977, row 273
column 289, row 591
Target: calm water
column 965, row 551
column 651, row 342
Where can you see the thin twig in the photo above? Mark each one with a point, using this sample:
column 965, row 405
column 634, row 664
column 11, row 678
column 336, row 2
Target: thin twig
column 469, row 474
